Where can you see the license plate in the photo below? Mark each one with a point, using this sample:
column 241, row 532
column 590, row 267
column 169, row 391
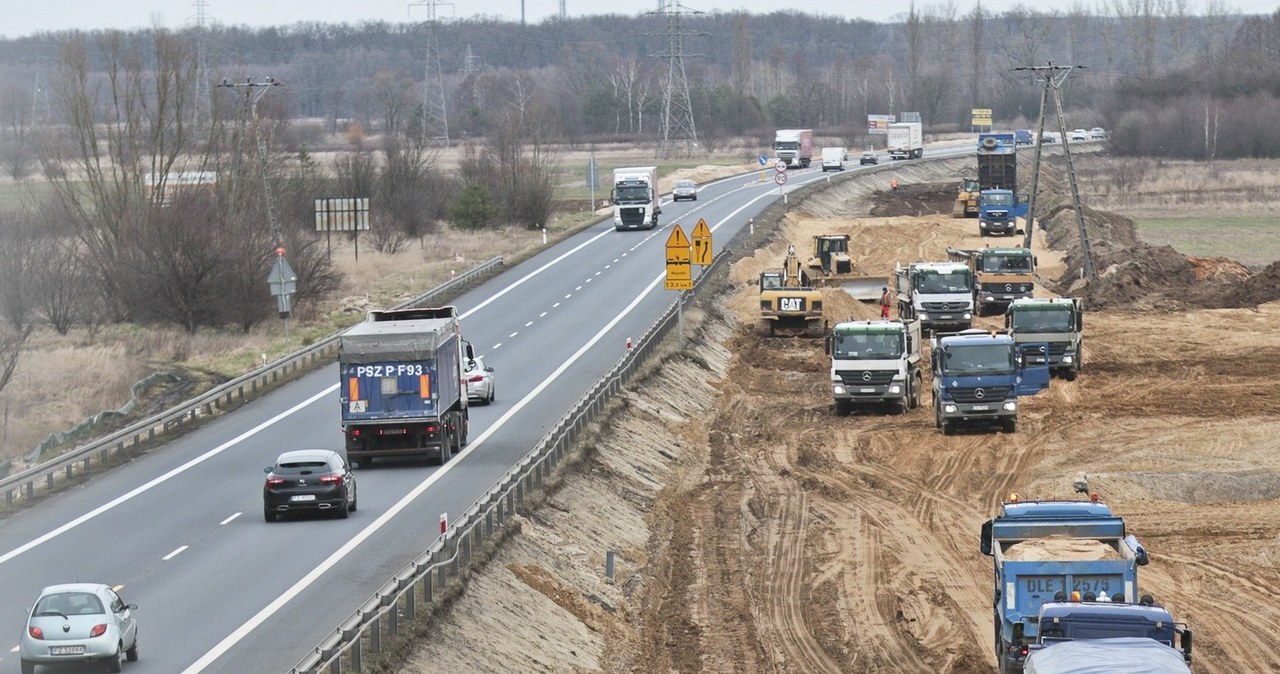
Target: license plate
column 66, row 650
column 303, row 497
column 866, row 390
column 981, row 408
column 393, row 431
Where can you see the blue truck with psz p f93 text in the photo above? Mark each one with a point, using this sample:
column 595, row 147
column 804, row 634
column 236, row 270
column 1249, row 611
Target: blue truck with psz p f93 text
column 402, row 393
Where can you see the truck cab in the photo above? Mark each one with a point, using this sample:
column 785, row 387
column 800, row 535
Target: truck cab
column 875, row 362
column 998, row 212
column 1058, row 323
column 1089, row 617
column 636, row 204
column 938, row 294
column 977, row 379
column 1000, row 275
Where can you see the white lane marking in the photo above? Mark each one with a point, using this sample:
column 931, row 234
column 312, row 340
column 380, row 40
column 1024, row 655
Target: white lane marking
column 528, row 324
column 542, row 315
column 44, row 538
column 315, row 574
column 173, row 554
column 513, row 334
column 607, row 266
column 556, row 305
column 228, row 520
column 577, row 289
column 497, row 346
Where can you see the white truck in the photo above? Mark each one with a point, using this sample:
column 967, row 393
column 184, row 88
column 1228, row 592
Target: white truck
column 833, row 158
column 636, row 203
column 938, row 294
column 906, row 140
column 794, row 146
column 875, row 362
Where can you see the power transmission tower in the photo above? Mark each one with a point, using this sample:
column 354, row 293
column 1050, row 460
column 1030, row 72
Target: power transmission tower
column 253, row 92
column 435, row 113
column 202, row 109
column 1053, row 76
column 564, row 11
column 677, row 108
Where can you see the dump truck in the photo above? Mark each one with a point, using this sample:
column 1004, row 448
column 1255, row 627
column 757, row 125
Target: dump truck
column 1057, row 323
column 978, row 377
column 906, row 140
column 1000, row 275
column 875, row 362
column 1086, row 616
column 999, row 206
column 794, row 147
column 401, row 385
column 1043, row 551
column 938, row 294
column 636, row 203
column 1120, row 655
column 788, row 303
column 831, row 265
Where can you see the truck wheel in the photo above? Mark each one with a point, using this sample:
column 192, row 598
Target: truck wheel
column 905, row 403
column 937, row 417
column 1070, row 375
column 915, row 391
column 948, row 427
column 1009, row 424
column 842, row 408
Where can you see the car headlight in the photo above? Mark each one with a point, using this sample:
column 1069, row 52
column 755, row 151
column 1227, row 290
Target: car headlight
column 895, row 389
column 837, row 389
column 949, row 408
column 924, row 317
column 1068, row 359
column 1011, row 406
column 967, row 315
column 982, row 223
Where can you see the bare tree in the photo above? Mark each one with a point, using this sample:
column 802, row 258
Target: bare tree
column 60, row 284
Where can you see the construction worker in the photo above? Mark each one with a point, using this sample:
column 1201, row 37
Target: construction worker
column 893, row 184
column 886, row 300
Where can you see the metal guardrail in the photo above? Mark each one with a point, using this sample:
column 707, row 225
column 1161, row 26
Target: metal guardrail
column 429, row 577
column 83, row 460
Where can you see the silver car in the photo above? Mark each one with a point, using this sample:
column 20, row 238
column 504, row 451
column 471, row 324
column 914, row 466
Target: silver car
column 79, row 622
column 479, row 379
column 685, row 189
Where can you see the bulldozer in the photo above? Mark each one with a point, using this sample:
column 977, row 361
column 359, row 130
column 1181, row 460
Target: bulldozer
column 787, row 302
column 831, row 265
column 966, row 205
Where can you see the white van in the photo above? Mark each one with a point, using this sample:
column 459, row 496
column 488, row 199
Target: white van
column 833, row 158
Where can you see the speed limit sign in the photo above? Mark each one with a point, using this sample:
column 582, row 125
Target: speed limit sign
column 780, row 166
column 780, row 178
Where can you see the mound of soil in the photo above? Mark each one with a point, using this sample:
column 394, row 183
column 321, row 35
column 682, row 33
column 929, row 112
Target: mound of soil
column 915, row 200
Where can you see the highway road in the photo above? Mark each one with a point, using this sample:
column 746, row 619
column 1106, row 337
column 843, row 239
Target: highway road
column 180, row 530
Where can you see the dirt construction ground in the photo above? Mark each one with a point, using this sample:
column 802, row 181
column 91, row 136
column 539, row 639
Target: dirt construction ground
column 758, row 532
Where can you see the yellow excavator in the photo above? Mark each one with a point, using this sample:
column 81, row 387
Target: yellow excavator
column 787, row 302
column 966, row 205
column 831, row 265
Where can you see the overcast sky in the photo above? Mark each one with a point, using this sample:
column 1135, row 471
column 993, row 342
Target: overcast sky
column 57, row 15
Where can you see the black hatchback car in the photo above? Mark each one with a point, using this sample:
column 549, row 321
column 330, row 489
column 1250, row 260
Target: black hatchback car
column 309, row 481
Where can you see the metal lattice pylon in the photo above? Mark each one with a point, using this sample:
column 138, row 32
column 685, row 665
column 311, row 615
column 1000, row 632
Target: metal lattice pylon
column 677, row 108
column 435, row 110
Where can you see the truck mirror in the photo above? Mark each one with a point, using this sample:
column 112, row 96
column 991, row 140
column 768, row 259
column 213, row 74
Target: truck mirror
column 1186, row 643
column 826, row 344
column 985, row 544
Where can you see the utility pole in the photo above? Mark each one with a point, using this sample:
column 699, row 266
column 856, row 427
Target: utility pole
column 564, row 11
column 677, row 109
column 253, row 92
column 1053, row 76
column 435, row 113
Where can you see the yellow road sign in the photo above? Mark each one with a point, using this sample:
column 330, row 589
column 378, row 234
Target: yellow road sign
column 702, row 244
column 679, row 269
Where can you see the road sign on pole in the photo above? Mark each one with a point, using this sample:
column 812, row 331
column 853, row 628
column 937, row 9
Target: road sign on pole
column 780, row 178
column 780, row 166
column 679, row 268
column 702, row 244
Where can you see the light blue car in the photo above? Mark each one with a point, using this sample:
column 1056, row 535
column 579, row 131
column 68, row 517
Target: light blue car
column 79, row 622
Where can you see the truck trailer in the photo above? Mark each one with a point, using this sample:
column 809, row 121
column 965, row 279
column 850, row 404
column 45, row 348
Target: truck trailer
column 998, row 204
column 636, row 203
column 906, row 140
column 875, row 362
column 1044, row 551
column 401, row 385
column 794, row 147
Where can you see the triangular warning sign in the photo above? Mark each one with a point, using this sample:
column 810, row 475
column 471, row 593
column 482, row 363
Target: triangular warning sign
column 677, row 238
column 702, row 231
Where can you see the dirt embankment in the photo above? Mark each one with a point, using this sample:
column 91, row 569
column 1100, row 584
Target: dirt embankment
column 758, row 532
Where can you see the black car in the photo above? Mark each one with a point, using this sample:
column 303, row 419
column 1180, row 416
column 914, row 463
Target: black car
column 309, row 481
column 868, row 157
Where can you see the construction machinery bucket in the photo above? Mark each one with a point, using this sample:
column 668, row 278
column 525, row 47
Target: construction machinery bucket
column 866, row 288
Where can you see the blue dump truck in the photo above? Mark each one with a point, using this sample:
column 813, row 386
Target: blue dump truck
column 998, row 202
column 1121, row 655
column 978, row 376
column 401, row 385
column 1044, row 551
